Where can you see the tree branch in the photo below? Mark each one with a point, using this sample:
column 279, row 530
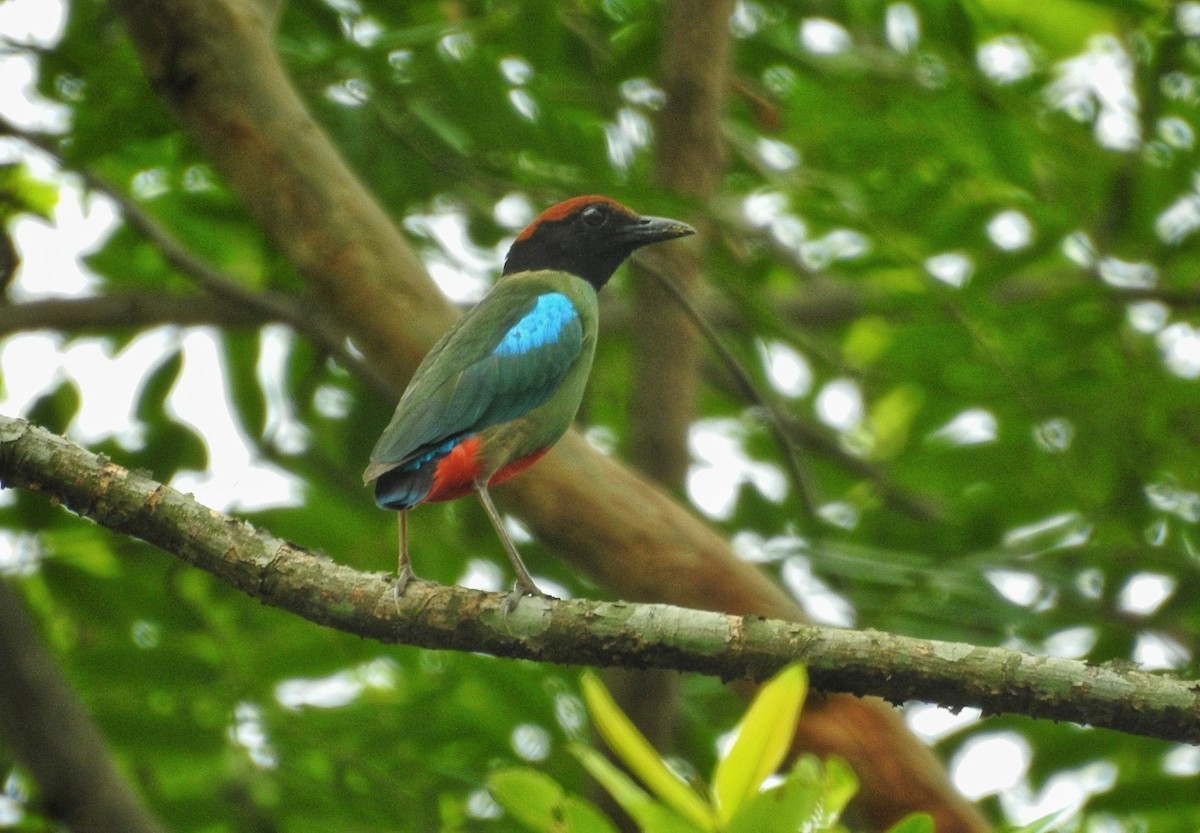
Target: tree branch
column 213, row 62
column 52, row 735
column 153, row 308
column 665, row 350
column 126, row 309
column 269, row 305
column 744, row 386
column 816, row 304
column 284, row 575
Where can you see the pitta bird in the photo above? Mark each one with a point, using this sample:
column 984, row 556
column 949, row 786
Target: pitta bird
column 504, row 383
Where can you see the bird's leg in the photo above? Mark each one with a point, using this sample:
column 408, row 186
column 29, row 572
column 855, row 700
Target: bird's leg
column 404, row 571
column 525, row 585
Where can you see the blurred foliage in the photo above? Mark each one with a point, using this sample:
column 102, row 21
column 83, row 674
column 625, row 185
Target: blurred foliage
column 1002, row 196
column 811, row 796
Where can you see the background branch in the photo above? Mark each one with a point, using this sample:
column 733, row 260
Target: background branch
column 745, row 387
column 1001, row 436
column 52, row 735
column 666, row 352
column 126, row 309
column 214, row 64
column 270, row 306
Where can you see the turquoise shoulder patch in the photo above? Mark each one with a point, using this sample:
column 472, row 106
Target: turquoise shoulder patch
column 540, row 326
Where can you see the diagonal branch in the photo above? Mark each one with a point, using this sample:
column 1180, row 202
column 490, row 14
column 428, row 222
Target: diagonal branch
column 268, row 305
column 665, row 351
column 213, row 63
column 125, row 309
column 153, row 308
column 798, row 468
column 309, row 584
column 51, row 734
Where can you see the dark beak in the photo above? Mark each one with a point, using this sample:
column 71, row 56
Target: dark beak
column 645, row 230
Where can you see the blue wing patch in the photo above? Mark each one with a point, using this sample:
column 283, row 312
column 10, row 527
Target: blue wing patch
column 540, row 326
column 432, row 454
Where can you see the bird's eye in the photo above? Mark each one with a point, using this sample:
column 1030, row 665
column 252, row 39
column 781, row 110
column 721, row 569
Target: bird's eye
column 593, row 215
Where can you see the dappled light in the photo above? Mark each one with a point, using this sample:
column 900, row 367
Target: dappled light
column 948, row 255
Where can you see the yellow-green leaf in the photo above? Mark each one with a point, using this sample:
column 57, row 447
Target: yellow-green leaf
column 529, row 796
column 628, row 744
column 891, row 418
column 1044, row 824
column 536, row 801
column 790, row 805
column 581, row 816
column 22, row 191
column 866, row 340
column 1062, row 27
column 620, row 786
column 838, row 787
column 649, row 814
column 913, row 823
column 763, row 738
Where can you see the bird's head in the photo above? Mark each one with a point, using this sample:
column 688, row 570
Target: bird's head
column 587, row 236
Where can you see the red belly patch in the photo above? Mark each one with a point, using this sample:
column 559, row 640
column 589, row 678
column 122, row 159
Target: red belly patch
column 457, row 472
column 517, row 466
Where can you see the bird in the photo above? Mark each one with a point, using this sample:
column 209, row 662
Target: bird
column 505, row 381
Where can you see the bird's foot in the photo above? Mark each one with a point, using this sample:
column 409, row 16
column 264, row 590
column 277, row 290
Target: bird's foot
column 521, row 590
column 403, row 576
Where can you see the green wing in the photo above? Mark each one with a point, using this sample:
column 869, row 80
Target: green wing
column 465, row 384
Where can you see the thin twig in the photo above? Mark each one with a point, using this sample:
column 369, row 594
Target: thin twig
column 787, row 429
column 797, row 468
column 269, row 305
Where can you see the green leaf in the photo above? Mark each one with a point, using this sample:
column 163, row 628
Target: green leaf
column 21, row 192
column 76, row 545
column 527, row 795
column 891, row 420
column 1062, row 26
column 913, row 823
column 444, row 128
column 1046, row 823
column 242, row 351
column 763, row 738
column 785, row 807
column 582, row 816
column 55, row 409
column 537, row 801
column 867, row 341
column 639, row 755
column 838, row 786
column 177, row 445
column 641, row 807
column 157, row 387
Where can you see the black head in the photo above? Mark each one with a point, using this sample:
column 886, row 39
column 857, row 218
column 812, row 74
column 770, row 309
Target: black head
column 588, row 237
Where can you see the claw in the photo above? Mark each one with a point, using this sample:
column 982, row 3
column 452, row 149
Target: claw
column 520, row 591
column 403, row 576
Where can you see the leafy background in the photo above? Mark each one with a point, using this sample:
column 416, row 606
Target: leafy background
column 956, row 239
